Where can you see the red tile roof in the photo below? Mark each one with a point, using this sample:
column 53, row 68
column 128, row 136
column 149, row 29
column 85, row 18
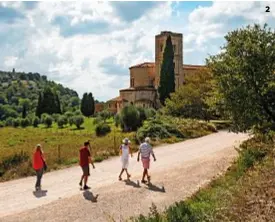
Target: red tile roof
column 186, row 66
column 152, row 64
column 144, row 65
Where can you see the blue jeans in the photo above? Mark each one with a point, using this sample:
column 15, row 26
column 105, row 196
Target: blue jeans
column 39, row 174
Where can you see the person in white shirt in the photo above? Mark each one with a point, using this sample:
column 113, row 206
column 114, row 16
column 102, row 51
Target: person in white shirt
column 125, row 151
column 145, row 150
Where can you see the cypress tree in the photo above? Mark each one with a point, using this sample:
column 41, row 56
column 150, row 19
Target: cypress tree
column 83, row 104
column 48, row 102
column 87, row 104
column 167, row 73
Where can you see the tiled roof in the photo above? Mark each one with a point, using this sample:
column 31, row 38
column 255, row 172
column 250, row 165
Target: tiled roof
column 115, row 99
column 152, row 64
column 144, row 65
column 186, row 66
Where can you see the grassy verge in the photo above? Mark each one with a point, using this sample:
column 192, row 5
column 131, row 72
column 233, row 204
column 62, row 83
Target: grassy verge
column 244, row 193
column 61, row 146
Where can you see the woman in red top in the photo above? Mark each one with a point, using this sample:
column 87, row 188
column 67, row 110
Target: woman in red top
column 38, row 165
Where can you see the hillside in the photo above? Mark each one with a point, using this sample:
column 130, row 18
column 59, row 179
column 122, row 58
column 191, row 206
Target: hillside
column 18, row 88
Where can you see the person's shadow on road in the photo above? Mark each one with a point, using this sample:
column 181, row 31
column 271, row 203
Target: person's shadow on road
column 132, row 183
column 90, row 196
column 40, row 193
column 155, row 188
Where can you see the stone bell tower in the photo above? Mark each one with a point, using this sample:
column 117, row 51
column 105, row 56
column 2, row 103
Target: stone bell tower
column 160, row 41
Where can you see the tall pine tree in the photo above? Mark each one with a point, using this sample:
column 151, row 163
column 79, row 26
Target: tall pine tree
column 87, row 104
column 167, row 73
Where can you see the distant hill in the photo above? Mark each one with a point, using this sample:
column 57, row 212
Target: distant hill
column 17, row 88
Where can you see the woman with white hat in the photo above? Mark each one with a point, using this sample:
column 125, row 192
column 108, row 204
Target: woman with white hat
column 125, row 151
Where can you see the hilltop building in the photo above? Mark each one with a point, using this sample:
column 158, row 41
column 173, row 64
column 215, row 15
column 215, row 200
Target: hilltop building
column 145, row 77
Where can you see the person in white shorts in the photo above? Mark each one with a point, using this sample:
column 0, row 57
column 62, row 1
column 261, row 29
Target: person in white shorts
column 125, row 152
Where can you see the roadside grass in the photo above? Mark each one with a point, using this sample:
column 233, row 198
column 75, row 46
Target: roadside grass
column 61, row 146
column 219, row 200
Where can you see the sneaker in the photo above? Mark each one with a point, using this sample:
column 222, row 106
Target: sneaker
column 86, row 187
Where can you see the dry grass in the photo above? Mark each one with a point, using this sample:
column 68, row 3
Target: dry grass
column 60, row 146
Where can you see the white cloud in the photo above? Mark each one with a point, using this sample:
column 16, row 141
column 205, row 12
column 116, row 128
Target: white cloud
column 38, row 45
column 10, row 61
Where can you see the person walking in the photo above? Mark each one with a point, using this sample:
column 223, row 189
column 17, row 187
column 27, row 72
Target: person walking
column 145, row 150
column 125, row 152
column 39, row 165
column 84, row 160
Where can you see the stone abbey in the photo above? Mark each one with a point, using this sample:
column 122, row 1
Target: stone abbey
column 145, row 77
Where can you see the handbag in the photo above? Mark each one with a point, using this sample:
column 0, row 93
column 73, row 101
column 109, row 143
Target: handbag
column 44, row 165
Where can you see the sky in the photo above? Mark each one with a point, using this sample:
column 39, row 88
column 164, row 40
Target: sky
column 89, row 46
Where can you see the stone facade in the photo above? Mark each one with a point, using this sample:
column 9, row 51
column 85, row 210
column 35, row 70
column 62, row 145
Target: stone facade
column 144, row 77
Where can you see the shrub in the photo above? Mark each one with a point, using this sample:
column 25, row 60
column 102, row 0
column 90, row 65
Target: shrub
column 69, row 114
column 105, row 114
column 24, row 122
column 35, row 122
column 61, row 121
column 97, row 120
column 16, row 122
column 78, row 121
column 77, row 113
column 130, row 118
column 48, row 120
column 117, row 120
column 9, row 121
column 2, row 124
column 56, row 116
column 150, row 113
column 71, row 120
column 102, row 129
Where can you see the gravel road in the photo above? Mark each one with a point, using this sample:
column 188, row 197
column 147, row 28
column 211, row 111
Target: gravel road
column 179, row 171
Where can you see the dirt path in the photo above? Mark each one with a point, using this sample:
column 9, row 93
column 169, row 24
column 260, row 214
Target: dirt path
column 179, row 171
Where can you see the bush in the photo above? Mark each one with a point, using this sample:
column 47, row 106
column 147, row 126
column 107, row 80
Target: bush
column 71, row 120
column 158, row 129
column 35, row 122
column 69, row 114
column 97, row 120
column 16, row 122
column 104, row 115
column 102, row 129
column 130, row 118
column 24, row 122
column 2, row 124
column 150, row 113
column 78, row 121
column 47, row 120
column 61, row 121
column 9, row 121
column 77, row 113
column 56, row 117
column 117, row 120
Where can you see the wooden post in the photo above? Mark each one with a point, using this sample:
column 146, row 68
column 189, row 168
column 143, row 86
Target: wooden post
column 59, row 154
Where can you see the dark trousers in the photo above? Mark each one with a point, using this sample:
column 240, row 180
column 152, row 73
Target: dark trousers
column 39, row 174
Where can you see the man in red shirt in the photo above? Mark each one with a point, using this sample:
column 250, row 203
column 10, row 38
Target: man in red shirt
column 84, row 160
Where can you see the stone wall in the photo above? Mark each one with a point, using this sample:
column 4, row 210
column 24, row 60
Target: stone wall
column 142, row 76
